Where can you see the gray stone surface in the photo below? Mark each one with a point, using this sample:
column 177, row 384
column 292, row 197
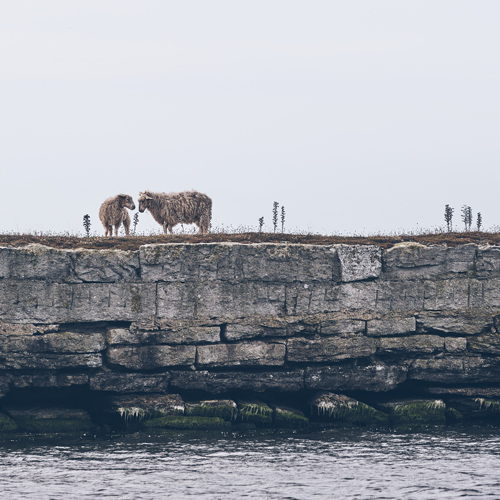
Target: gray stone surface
column 395, row 325
column 50, row 379
column 415, row 344
column 242, row 354
column 151, row 357
column 46, row 302
column 460, row 322
column 26, row 360
column 193, row 335
column 359, row 262
column 263, row 262
column 222, row 382
column 300, row 350
column 129, row 382
column 410, row 260
column 373, row 378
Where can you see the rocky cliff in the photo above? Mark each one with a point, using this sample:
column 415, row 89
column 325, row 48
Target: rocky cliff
column 312, row 329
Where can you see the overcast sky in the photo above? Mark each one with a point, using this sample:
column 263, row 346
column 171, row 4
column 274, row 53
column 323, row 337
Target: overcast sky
column 356, row 116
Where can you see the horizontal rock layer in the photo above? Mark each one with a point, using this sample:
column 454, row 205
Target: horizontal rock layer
column 223, row 318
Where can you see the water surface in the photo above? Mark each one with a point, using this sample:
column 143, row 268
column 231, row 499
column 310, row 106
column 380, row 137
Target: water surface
column 343, row 464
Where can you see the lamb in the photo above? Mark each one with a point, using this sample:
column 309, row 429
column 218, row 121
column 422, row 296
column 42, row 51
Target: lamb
column 170, row 209
column 113, row 213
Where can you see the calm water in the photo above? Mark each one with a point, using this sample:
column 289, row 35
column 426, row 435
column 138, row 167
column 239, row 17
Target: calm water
column 331, row 464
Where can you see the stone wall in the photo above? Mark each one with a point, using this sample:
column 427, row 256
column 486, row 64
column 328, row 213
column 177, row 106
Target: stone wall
column 224, row 319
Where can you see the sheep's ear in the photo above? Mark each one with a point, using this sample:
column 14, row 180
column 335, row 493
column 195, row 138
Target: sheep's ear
column 122, row 196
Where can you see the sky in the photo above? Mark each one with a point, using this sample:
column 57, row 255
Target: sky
column 358, row 117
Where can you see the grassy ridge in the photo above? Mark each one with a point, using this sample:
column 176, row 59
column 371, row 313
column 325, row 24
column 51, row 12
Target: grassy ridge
column 134, row 242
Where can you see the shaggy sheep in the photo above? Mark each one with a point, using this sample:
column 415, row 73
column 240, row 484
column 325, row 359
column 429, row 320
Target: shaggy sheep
column 113, row 213
column 169, row 209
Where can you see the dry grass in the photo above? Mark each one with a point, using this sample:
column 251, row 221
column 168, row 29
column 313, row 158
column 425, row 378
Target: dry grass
column 134, row 242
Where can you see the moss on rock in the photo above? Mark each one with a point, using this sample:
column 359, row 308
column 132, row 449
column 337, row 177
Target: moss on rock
column 255, row 412
column 222, row 408
column 419, row 412
column 7, row 424
column 339, row 408
column 289, row 418
column 187, row 423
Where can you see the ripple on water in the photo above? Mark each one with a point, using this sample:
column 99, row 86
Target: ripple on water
column 334, row 464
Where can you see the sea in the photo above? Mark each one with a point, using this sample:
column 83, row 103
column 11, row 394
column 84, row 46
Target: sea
column 434, row 463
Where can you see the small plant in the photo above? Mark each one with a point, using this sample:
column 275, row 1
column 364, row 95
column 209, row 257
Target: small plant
column 448, row 217
column 467, row 217
column 86, row 224
column 275, row 215
column 479, row 221
column 135, row 221
column 282, row 219
column 261, row 224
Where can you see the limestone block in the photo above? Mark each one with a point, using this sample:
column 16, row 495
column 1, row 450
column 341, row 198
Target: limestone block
column 411, row 260
column 270, row 326
column 219, row 300
column 359, row 262
column 45, row 302
column 255, row 412
column 415, row 344
column 35, row 262
column 488, row 261
column 57, row 343
column 49, row 361
column 455, row 344
column 151, row 357
column 242, row 354
column 193, row 335
column 300, row 350
column 391, row 325
column 455, row 370
column 289, row 418
column 129, row 382
column 263, row 262
column 399, row 297
column 340, row 326
column 488, row 343
column 448, row 294
column 465, row 322
column 105, row 266
column 49, row 379
column 375, row 378
column 222, row 382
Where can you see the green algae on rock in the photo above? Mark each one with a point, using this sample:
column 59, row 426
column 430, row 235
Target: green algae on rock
column 187, row 423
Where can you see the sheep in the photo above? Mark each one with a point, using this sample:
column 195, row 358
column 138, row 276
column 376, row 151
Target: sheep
column 169, row 209
column 113, row 213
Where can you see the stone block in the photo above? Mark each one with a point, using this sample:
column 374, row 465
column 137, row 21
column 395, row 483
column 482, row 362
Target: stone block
column 129, row 382
column 391, row 325
column 49, row 379
column 226, row 409
column 409, row 260
column 465, row 322
column 300, row 350
column 142, row 406
column 488, row 343
column 488, row 261
column 105, row 266
column 415, row 344
column 455, row 370
column 341, row 326
column 47, row 361
column 45, row 302
column 220, row 300
column 151, row 357
column 192, row 335
column 455, row 344
column 51, row 419
column 56, row 343
column 373, row 378
column 359, row 262
column 242, row 354
column 263, row 262
column 35, row 262
column 223, row 382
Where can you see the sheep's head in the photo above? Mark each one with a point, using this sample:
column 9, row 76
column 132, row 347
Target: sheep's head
column 144, row 200
column 127, row 201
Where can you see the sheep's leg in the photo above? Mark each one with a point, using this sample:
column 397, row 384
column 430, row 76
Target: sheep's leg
column 126, row 226
column 117, row 226
column 108, row 231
